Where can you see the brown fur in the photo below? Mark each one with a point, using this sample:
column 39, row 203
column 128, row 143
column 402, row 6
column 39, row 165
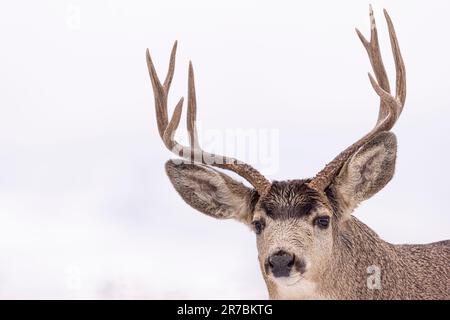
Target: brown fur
column 334, row 261
column 407, row 271
column 290, row 199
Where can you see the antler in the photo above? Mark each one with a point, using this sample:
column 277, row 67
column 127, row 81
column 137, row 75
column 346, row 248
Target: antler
column 390, row 107
column 193, row 153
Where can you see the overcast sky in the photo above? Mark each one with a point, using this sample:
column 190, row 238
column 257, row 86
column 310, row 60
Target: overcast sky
column 86, row 210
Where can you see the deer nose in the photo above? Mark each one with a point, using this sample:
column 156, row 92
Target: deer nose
column 281, row 264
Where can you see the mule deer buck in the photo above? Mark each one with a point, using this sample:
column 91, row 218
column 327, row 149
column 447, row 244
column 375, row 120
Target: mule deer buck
column 310, row 246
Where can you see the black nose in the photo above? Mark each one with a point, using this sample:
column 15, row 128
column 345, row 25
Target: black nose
column 281, row 263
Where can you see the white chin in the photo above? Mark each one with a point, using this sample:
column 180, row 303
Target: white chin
column 287, row 281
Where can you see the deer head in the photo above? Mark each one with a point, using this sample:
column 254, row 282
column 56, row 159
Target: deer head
column 295, row 221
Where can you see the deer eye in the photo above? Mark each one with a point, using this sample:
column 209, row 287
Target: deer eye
column 322, row 222
column 258, row 225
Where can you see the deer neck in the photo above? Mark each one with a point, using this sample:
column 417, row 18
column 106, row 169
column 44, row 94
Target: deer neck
column 360, row 259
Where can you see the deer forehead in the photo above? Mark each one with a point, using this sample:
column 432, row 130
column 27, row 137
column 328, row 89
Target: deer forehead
column 292, row 200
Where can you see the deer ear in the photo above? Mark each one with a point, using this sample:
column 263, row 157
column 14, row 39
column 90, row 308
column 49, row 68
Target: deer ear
column 367, row 171
column 212, row 192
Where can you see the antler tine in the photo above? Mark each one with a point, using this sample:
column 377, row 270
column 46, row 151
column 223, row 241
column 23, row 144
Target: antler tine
column 390, row 107
column 399, row 64
column 171, row 69
column 376, row 60
column 160, row 92
column 192, row 110
column 169, row 132
column 193, row 153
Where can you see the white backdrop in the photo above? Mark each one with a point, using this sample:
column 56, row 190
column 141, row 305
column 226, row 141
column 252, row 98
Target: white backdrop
column 86, row 210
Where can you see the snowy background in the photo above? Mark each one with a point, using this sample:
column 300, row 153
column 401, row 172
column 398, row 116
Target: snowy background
column 86, row 210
